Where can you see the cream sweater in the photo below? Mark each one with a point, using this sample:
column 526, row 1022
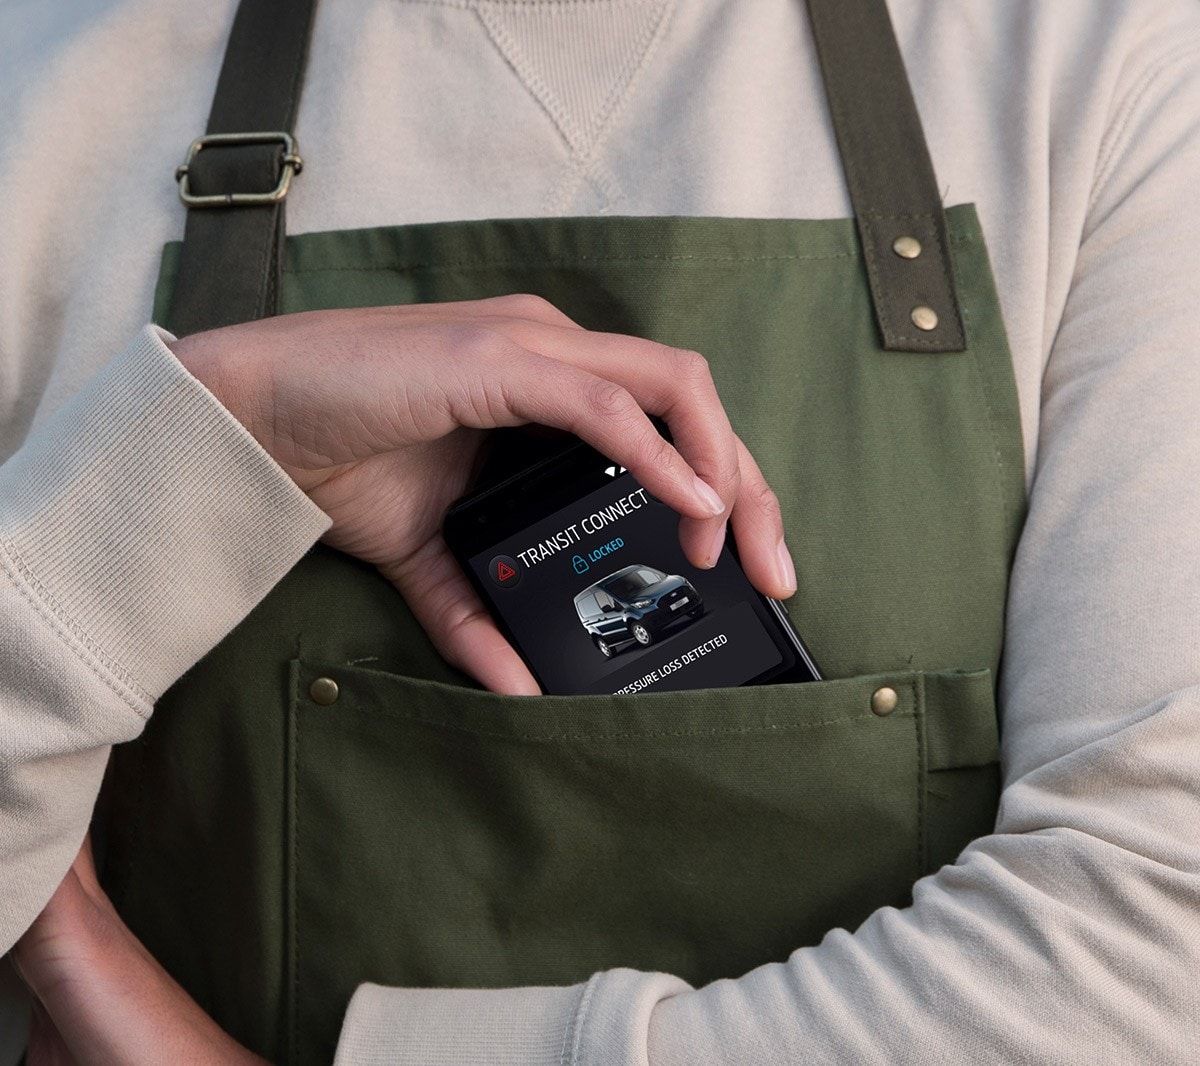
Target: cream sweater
column 139, row 523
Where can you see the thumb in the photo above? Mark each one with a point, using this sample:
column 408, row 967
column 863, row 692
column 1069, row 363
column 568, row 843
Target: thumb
column 457, row 622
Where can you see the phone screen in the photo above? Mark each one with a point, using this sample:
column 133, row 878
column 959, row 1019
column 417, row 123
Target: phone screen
column 600, row 598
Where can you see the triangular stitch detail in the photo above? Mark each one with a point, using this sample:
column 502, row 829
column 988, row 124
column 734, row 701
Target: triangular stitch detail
column 573, row 60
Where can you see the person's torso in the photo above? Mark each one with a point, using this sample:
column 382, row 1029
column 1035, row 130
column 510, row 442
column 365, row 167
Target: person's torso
column 416, row 830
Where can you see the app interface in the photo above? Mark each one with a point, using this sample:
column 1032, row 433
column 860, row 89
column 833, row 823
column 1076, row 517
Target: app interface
column 602, row 600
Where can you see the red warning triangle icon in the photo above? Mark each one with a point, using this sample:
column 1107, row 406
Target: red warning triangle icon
column 504, row 571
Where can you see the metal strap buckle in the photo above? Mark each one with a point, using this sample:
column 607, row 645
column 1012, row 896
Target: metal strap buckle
column 290, row 164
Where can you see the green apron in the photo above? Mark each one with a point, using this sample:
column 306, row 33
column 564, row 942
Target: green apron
column 273, row 851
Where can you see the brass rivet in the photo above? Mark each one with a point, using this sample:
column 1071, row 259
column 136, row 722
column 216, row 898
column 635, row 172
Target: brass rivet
column 884, row 701
column 906, row 247
column 924, row 318
column 324, row 691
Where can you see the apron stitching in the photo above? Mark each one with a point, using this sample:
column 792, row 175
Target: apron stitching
column 270, row 269
column 294, row 856
column 879, row 296
column 486, row 264
column 918, row 723
column 947, row 273
column 846, row 131
column 477, row 264
column 270, row 300
column 264, row 274
column 880, row 217
column 799, row 727
column 985, row 388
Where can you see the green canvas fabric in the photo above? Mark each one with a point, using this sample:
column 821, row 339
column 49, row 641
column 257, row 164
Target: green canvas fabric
column 273, row 852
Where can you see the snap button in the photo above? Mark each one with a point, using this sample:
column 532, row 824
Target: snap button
column 924, row 318
column 906, row 247
column 884, row 701
column 324, row 691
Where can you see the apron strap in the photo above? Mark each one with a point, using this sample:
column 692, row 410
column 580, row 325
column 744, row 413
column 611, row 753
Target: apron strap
column 897, row 205
column 235, row 186
column 232, row 247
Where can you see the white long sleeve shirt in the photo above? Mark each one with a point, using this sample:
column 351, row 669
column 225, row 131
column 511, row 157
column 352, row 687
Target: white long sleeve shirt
column 139, row 522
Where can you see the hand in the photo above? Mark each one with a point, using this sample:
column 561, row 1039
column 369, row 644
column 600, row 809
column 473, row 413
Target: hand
column 378, row 415
column 99, row 995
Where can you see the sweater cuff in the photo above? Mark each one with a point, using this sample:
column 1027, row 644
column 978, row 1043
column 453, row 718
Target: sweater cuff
column 146, row 522
column 605, row 1020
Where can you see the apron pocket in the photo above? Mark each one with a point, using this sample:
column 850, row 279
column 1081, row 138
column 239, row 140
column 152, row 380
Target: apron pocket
column 446, row 836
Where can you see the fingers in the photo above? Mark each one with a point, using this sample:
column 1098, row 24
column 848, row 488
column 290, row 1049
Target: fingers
column 603, row 413
column 758, row 526
column 677, row 385
column 674, row 383
column 519, row 306
column 523, row 306
column 618, row 379
column 451, row 613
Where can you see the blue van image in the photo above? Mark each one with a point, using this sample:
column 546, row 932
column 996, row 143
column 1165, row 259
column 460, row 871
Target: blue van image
column 635, row 606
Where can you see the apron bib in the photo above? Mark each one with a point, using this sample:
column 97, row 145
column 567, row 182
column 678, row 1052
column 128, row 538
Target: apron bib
column 274, row 851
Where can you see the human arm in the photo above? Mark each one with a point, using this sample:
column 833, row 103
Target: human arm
column 140, row 495
column 134, row 539
column 100, row 997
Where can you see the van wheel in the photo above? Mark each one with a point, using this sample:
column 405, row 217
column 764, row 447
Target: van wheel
column 640, row 633
column 603, row 647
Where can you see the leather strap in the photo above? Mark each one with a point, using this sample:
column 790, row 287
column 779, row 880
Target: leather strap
column 891, row 178
column 231, row 259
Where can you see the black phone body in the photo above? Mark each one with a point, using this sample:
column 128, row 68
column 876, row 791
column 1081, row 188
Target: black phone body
column 582, row 569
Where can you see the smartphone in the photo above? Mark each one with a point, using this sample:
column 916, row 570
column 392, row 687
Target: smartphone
column 582, row 569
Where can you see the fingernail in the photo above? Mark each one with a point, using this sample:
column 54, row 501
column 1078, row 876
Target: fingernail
column 708, row 494
column 787, row 572
column 714, row 553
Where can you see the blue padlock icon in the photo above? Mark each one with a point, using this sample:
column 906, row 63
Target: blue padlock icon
column 580, row 564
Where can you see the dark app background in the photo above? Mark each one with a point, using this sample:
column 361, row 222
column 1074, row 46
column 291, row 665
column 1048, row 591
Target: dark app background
column 729, row 645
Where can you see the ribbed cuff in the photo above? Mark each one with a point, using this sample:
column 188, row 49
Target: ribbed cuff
column 146, row 521
column 604, row 1021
